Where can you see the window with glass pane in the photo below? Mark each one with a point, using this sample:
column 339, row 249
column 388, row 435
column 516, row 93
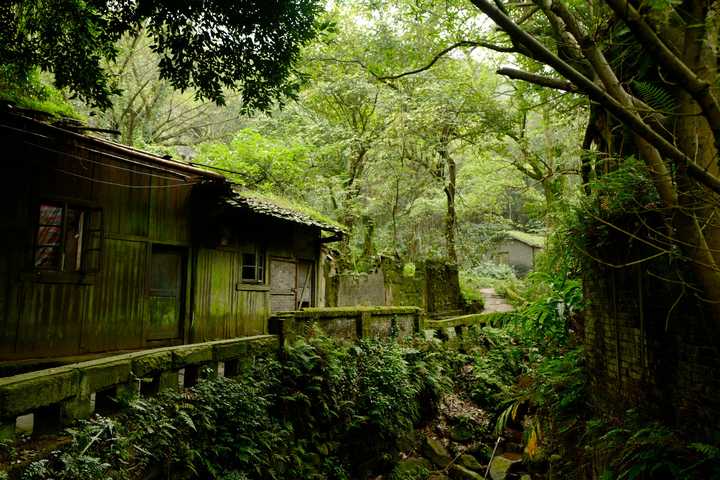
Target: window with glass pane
column 60, row 235
column 253, row 267
column 48, row 251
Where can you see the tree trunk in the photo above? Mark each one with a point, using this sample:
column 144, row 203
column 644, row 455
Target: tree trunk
column 450, row 182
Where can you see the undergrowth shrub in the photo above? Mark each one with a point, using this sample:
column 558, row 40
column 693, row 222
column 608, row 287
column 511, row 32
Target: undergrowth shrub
column 327, row 410
column 639, row 448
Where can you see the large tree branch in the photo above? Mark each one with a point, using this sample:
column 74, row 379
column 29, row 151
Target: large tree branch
column 541, row 80
column 445, row 51
column 699, row 89
column 627, row 116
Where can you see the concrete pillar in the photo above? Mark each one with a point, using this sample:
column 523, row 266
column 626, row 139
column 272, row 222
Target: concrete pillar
column 168, row 380
column 75, row 409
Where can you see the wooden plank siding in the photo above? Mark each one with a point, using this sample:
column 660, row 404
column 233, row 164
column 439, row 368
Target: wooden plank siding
column 118, row 304
column 222, row 308
column 145, row 204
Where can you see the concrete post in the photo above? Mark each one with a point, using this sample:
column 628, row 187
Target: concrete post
column 75, row 409
column 168, row 380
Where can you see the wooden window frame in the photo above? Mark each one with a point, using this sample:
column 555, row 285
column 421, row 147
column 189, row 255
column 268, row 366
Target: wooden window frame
column 260, row 267
column 87, row 243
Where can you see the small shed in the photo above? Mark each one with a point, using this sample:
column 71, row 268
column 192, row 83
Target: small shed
column 518, row 249
column 108, row 248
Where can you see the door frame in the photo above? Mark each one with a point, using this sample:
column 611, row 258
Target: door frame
column 183, row 293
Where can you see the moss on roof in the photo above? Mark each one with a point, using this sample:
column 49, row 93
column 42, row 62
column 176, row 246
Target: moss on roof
column 537, row 241
column 279, row 207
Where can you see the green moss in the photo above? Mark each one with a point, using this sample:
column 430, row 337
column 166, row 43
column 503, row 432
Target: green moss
column 294, row 206
column 533, row 240
column 34, row 92
column 355, row 311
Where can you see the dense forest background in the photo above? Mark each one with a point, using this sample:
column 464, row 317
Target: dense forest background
column 430, row 129
column 436, row 164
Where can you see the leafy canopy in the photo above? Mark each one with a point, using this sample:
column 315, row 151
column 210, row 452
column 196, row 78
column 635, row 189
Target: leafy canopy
column 209, row 46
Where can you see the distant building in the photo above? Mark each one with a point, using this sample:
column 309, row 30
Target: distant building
column 518, row 249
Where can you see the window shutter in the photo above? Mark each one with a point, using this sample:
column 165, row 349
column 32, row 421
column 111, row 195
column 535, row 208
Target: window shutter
column 92, row 253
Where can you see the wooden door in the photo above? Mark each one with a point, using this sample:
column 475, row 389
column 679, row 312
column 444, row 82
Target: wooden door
column 304, row 284
column 166, row 293
column 283, row 289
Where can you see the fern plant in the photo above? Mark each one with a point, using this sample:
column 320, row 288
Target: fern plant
column 654, row 95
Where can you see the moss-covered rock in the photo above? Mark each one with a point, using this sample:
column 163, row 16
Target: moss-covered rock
column 434, row 450
column 411, row 468
column 458, row 472
column 471, row 462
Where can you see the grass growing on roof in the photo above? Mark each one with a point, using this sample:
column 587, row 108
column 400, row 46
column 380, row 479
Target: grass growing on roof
column 529, row 238
column 291, row 205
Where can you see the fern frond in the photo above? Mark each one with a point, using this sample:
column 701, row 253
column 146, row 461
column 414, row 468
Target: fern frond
column 710, row 452
column 654, row 95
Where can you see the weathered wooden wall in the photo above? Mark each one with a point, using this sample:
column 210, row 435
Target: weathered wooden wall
column 143, row 206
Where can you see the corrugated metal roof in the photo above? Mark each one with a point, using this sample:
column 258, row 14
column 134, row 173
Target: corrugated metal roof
column 265, row 205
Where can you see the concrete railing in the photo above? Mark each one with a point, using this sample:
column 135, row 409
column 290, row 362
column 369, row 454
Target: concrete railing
column 58, row 396
column 457, row 326
column 349, row 322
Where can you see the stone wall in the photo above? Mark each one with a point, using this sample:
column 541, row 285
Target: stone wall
column 434, row 287
column 350, row 323
column 648, row 347
column 443, row 288
column 361, row 289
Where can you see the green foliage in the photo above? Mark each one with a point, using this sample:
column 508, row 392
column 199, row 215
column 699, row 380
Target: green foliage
column 546, row 319
column 261, row 163
column 637, row 448
column 27, row 89
column 251, row 48
column 487, row 275
column 655, row 95
column 493, row 361
column 623, row 200
column 327, row 410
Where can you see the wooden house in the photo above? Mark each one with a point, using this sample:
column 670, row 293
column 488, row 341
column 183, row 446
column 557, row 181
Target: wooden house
column 107, row 248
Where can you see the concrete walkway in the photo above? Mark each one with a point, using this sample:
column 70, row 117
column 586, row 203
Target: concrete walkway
column 494, row 302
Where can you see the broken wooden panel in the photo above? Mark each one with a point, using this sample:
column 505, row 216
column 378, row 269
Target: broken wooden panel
column 305, row 282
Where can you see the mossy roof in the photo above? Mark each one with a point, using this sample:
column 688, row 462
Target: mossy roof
column 534, row 240
column 282, row 208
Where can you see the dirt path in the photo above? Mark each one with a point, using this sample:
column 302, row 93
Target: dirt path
column 494, row 302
